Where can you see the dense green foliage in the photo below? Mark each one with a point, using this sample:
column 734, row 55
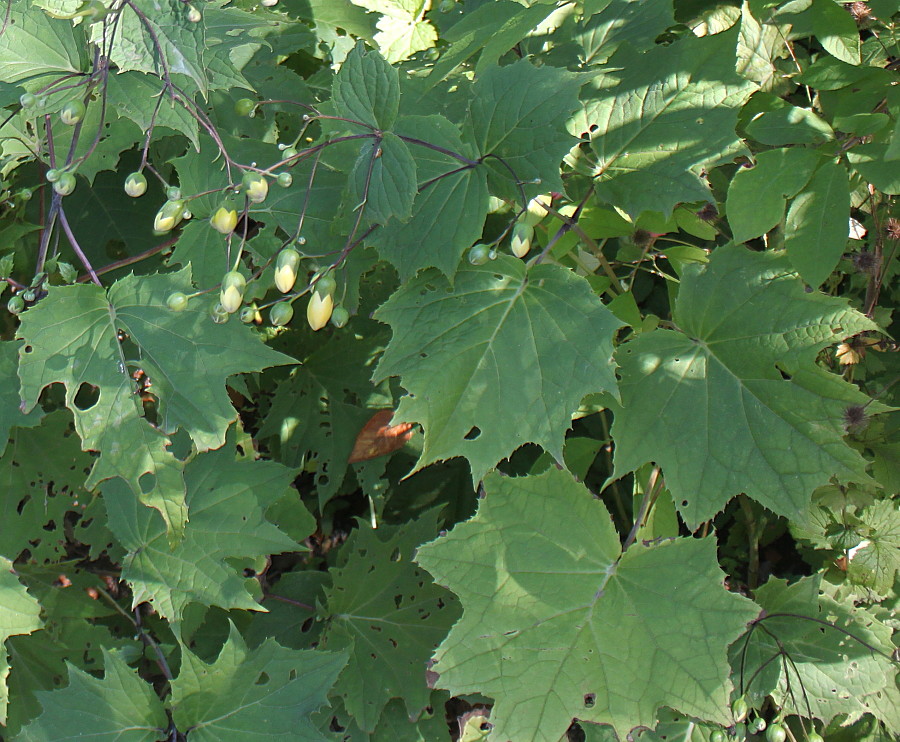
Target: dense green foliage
column 396, row 370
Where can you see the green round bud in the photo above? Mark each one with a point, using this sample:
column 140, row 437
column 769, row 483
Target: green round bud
column 256, row 187
column 479, row 254
column 27, row 100
column 65, row 185
column 281, row 313
column 72, row 112
column 244, row 106
column 232, row 293
column 173, row 193
column 325, row 285
column 53, row 175
column 288, row 153
column 136, row 185
column 339, row 317
column 177, row 301
column 285, row 180
column 15, row 305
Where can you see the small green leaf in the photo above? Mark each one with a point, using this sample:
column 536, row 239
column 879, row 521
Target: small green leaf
column 384, row 179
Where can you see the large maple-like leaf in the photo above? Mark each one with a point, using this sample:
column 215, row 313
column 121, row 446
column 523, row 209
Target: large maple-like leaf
column 226, row 500
column 658, row 118
column 92, row 341
column 500, row 359
column 390, row 622
column 267, row 693
column 119, row 707
column 732, row 401
column 559, row 623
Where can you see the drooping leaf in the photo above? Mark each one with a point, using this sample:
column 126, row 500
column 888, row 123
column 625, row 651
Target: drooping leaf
column 659, row 118
column 389, row 623
column 500, row 359
column 119, row 707
column 266, row 693
column 815, row 233
column 732, row 400
column 559, row 623
column 836, row 30
column 19, row 614
column 226, row 501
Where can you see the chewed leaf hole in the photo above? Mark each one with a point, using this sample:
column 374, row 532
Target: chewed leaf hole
column 87, row 396
column 147, row 482
column 262, row 679
column 589, row 700
column 473, row 434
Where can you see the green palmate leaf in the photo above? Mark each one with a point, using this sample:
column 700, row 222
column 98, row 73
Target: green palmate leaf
column 785, row 124
column 367, row 89
column 37, row 491
column 156, row 36
column 661, row 117
column 559, row 623
column 10, row 414
column 732, row 401
column 389, row 623
column 92, row 341
column 501, row 359
column 33, row 45
column 815, row 231
column 19, row 614
column 436, row 235
column 757, row 195
column 142, row 98
column 518, row 114
column 876, row 560
column 266, row 693
column 119, row 707
column 494, row 28
column 384, row 179
column 226, row 500
column 619, row 22
column 838, row 653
